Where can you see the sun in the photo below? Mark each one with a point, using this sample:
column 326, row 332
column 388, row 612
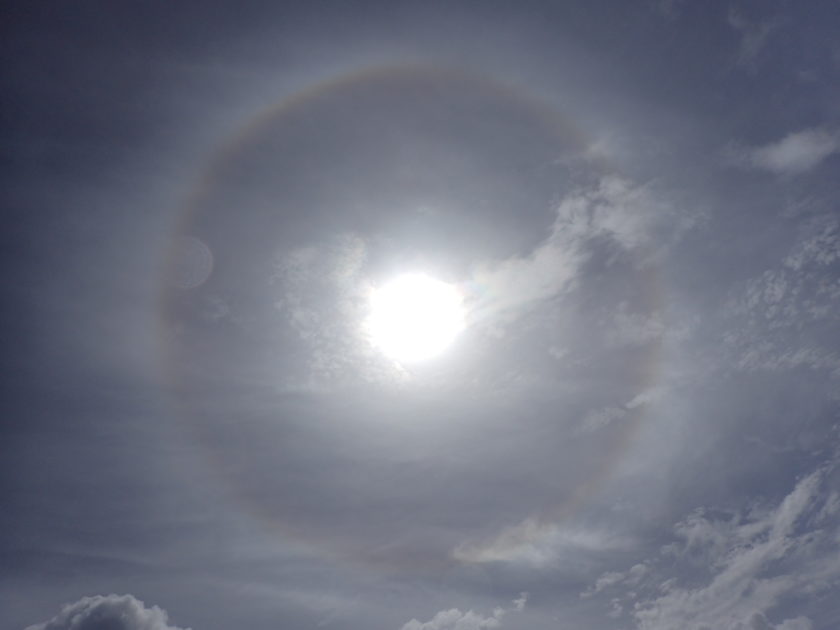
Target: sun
column 414, row 317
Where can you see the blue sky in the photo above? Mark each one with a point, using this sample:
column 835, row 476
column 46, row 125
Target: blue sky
column 637, row 426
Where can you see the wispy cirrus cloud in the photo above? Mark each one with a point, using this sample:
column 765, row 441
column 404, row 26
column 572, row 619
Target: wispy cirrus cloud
column 733, row 570
column 754, row 35
column 794, row 154
column 769, row 311
column 535, row 543
column 631, row 577
column 600, row 418
column 635, row 218
column 321, row 288
column 667, row 8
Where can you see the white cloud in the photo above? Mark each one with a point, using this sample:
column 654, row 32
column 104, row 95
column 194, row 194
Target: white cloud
column 667, row 8
column 455, row 619
column 770, row 358
column 646, row 397
column 534, row 543
column 114, row 612
column 798, row 623
column 322, row 289
column 794, row 154
column 601, row 418
column 630, row 577
column 322, row 292
column 519, row 602
column 605, row 416
column 819, row 248
column 754, row 37
column 634, row 217
column 753, row 561
column 629, row 328
column 771, row 310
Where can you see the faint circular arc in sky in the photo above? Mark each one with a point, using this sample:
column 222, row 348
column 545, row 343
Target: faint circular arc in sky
column 206, row 191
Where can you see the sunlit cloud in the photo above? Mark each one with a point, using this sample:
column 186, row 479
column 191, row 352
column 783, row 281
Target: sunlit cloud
column 323, row 290
column 637, row 218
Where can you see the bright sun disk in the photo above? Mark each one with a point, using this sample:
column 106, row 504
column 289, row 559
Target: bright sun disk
column 414, row 317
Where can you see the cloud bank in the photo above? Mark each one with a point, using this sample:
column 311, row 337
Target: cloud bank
column 108, row 612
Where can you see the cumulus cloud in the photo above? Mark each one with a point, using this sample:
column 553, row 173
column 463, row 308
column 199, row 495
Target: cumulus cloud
column 455, row 619
column 732, row 572
column 794, row 154
column 108, row 612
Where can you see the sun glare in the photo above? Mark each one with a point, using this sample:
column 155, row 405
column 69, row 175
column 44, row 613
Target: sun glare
column 414, row 317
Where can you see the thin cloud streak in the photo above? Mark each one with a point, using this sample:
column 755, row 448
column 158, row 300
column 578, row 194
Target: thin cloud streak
column 794, row 154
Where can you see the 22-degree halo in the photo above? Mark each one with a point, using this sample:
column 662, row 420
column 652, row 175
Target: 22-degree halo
column 265, row 158
column 414, row 317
